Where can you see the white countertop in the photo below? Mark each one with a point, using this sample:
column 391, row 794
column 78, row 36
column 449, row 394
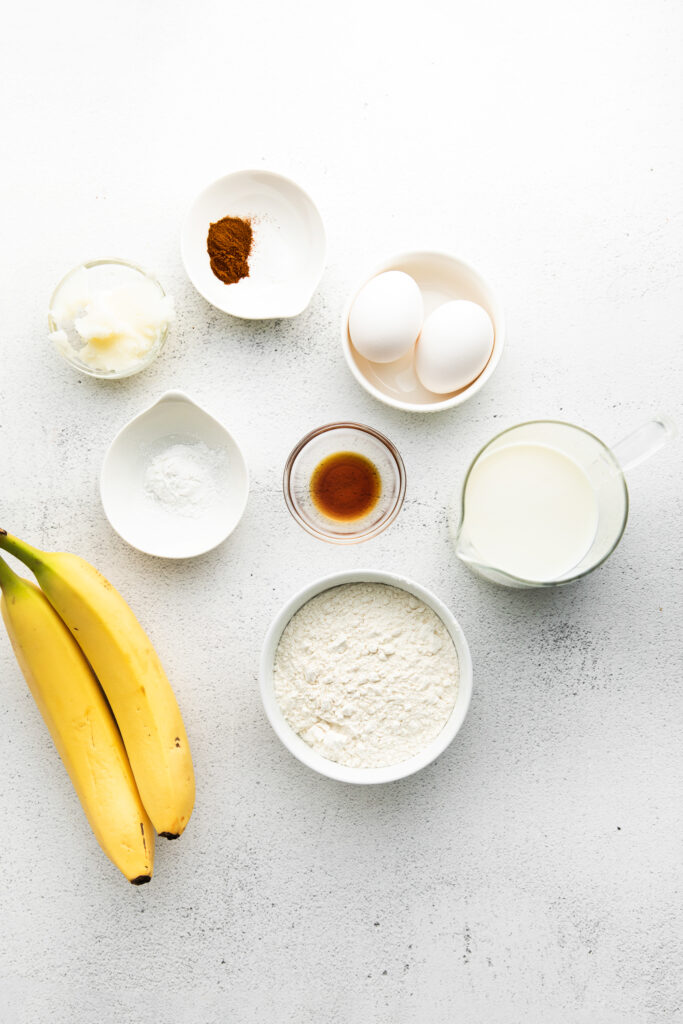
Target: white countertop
column 532, row 874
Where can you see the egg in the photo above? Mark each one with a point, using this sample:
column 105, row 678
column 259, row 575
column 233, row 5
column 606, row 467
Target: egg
column 386, row 317
column 454, row 347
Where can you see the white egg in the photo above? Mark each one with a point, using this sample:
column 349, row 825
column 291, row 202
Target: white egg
column 386, row 317
column 454, row 347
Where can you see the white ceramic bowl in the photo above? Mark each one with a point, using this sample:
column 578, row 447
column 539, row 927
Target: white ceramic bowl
column 310, row 757
column 144, row 523
column 288, row 252
column 441, row 278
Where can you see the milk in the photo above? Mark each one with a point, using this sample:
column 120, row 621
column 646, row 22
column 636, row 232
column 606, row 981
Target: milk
column 531, row 511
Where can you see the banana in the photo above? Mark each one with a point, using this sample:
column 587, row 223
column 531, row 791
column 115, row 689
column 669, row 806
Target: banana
column 81, row 725
column 131, row 676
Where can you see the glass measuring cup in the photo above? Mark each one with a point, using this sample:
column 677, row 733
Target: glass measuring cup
column 602, row 466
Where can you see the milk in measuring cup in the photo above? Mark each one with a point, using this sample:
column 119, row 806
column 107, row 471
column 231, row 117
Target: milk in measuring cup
column 531, row 511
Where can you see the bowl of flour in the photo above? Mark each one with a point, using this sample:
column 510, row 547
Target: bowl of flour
column 366, row 676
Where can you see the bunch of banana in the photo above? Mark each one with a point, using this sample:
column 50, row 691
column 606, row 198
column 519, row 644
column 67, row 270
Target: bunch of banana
column 120, row 789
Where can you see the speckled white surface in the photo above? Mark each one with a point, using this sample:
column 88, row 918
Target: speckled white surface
column 532, row 874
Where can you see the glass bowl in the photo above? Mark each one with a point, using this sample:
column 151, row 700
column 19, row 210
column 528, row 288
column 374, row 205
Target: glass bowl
column 330, row 440
column 105, row 273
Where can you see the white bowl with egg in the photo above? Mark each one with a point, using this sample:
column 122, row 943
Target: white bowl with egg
column 441, row 278
column 306, row 753
column 288, row 250
column 195, row 502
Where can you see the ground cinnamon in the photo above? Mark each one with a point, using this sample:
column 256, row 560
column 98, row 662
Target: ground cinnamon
column 228, row 245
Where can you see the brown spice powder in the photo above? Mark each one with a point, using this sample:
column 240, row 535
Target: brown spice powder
column 228, row 245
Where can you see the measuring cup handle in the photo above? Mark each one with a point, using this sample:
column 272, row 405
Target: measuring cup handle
column 644, row 441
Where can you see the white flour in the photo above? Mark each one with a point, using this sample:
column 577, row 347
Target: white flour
column 184, row 477
column 366, row 674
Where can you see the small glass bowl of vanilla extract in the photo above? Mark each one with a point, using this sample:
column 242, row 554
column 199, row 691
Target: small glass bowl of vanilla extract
column 344, row 483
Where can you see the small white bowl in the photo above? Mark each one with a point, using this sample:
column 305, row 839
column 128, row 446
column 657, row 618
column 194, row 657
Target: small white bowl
column 441, row 278
column 294, row 742
column 144, row 523
column 288, row 252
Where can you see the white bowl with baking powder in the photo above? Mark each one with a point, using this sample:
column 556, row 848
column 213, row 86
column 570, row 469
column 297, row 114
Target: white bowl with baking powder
column 310, row 757
column 146, row 523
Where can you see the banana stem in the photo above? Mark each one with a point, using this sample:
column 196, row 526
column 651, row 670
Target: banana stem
column 8, row 578
column 30, row 556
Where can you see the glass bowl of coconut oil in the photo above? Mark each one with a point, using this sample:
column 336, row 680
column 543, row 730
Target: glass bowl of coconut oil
column 109, row 318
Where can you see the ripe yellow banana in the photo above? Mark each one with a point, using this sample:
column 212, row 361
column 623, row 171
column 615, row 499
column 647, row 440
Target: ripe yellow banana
column 130, row 674
column 81, row 725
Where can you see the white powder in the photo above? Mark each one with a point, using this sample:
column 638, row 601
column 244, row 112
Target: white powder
column 366, row 674
column 184, row 478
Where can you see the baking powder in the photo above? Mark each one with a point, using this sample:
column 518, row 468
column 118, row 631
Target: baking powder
column 183, row 478
column 366, row 674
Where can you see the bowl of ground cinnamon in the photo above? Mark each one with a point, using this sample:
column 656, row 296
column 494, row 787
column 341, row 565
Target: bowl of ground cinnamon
column 253, row 245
